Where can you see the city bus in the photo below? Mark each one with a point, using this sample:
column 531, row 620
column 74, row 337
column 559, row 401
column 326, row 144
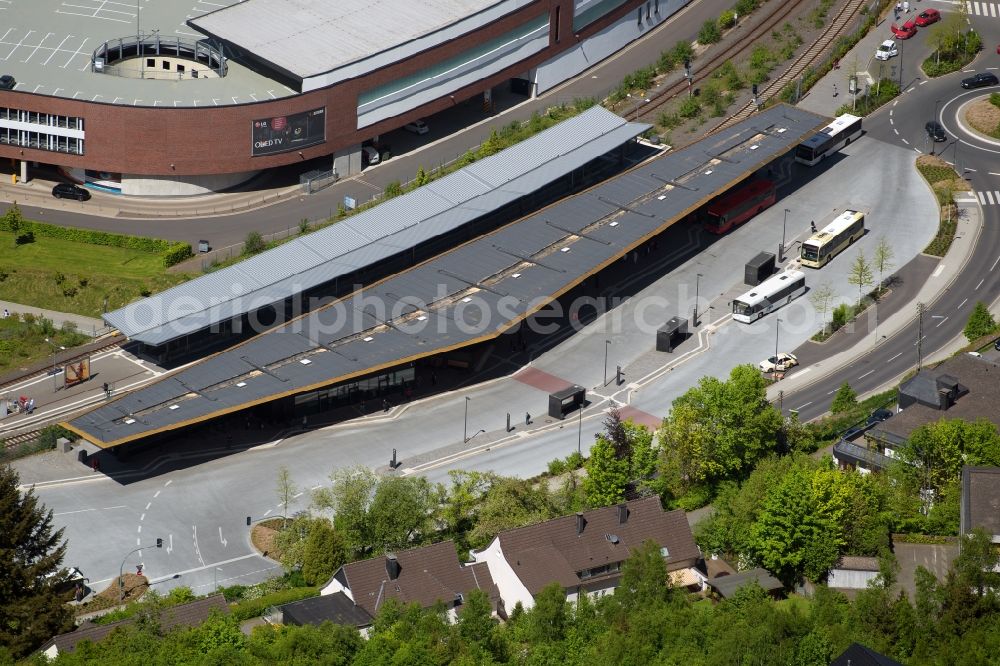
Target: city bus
column 769, row 295
column 738, row 206
column 832, row 239
column 830, row 139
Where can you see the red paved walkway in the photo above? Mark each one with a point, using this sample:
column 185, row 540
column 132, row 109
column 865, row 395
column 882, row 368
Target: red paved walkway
column 541, row 380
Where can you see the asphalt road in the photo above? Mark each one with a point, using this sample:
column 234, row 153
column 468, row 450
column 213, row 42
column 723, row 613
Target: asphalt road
column 450, row 136
column 902, row 124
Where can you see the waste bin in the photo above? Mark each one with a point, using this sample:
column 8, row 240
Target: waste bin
column 203, row 246
column 671, row 334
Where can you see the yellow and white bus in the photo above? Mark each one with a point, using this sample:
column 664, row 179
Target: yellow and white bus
column 769, row 295
column 832, row 239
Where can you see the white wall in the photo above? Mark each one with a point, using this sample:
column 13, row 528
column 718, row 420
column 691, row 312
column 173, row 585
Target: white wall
column 598, row 47
column 333, row 587
column 512, row 590
column 848, row 579
column 181, row 186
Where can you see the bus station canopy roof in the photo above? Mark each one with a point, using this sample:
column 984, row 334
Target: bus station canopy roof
column 467, row 295
column 376, row 234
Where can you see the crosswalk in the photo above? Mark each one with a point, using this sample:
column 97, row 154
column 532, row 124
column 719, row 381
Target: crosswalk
column 991, row 9
column 989, row 197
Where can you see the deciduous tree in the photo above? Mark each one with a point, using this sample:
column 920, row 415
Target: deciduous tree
column 980, row 323
column 845, row 399
column 860, row 274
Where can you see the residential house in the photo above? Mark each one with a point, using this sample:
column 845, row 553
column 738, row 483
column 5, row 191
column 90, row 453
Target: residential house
column 857, row 654
column 980, row 501
column 963, row 387
column 190, row 614
column 337, row 608
column 585, row 552
column 726, row 586
column 425, row 575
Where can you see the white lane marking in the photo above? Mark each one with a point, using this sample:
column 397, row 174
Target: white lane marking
column 268, row 513
column 937, row 271
column 979, row 285
column 221, row 539
column 894, row 357
column 994, row 264
column 119, row 506
column 801, row 407
column 905, row 141
column 156, row 494
column 170, row 543
column 315, row 487
column 961, row 304
column 168, row 483
column 148, row 504
column 943, row 320
column 833, row 391
column 866, row 374
column 142, row 517
column 140, row 529
column 66, row 513
column 197, row 550
column 297, row 496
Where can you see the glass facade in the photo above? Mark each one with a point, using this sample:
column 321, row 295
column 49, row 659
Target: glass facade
column 42, row 131
column 595, row 11
column 352, row 392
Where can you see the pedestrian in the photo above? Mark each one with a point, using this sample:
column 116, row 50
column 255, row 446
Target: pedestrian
column 906, row 6
column 812, row 225
column 6, row 313
column 899, row 8
column 527, row 418
column 834, row 89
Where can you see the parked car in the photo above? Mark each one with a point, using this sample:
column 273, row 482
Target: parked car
column 935, row 131
column 7, row 82
column 886, row 50
column 879, row 415
column 927, row 17
column 779, row 363
column 979, row 80
column 852, row 433
column 905, row 31
column 996, row 344
column 370, row 154
column 70, row 191
column 418, row 126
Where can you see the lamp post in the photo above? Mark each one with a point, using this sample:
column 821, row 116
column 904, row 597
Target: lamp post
column 579, row 432
column 937, row 102
column 607, row 345
column 465, row 427
column 697, row 285
column 216, row 572
column 784, row 222
column 55, row 370
column 639, row 102
column 121, row 569
column 777, row 329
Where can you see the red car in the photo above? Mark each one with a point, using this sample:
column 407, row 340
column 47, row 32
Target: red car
column 927, row 17
column 906, row 31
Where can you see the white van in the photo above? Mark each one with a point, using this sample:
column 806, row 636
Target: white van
column 370, row 153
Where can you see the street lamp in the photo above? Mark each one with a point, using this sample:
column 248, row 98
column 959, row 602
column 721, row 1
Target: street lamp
column 781, row 250
column 639, row 103
column 777, row 329
column 937, row 102
column 216, row 572
column 465, row 427
column 607, row 344
column 121, row 570
column 579, row 432
column 697, row 285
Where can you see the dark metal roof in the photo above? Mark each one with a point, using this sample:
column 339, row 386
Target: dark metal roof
column 465, row 296
column 857, row 654
column 981, row 500
column 336, row 608
column 726, row 586
column 375, row 234
column 860, row 455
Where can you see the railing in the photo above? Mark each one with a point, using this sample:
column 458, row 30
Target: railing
column 113, row 51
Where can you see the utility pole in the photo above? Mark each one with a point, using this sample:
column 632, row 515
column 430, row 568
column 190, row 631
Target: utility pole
column 920, row 332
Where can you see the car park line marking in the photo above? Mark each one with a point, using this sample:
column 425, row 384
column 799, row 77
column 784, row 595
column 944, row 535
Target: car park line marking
column 961, row 304
column 941, row 322
column 866, row 374
column 16, row 46
column 979, row 285
column 79, row 51
column 57, row 49
column 894, row 357
column 38, row 46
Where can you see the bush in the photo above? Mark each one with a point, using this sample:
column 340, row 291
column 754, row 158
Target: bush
column 25, row 238
column 557, row 467
column 846, row 399
column 683, row 51
column 59, row 277
column 690, row 107
column 727, row 19
column 981, row 322
column 574, row 460
column 393, row 189
column 744, row 7
column 709, row 33
column 176, row 253
column 995, row 99
column 841, row 314
column 254, row 243
column 91, row 236
column 245, row 610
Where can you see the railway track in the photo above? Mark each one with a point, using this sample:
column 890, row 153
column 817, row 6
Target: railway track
column 744, row 43
column 20, row 438
column 111, row 343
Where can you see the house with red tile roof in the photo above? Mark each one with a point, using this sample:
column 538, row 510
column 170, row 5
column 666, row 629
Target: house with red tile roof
column 585, row 552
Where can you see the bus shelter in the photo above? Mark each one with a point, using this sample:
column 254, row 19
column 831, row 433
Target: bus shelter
column 671, row 334
column 564, row 401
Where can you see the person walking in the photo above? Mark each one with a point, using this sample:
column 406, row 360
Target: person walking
column 906, row 6
column 899, row 8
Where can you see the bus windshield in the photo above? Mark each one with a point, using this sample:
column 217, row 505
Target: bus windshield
column 741, row 308
column 714, row 220
column 810, row 252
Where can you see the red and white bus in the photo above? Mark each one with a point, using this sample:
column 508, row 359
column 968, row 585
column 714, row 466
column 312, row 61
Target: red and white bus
column 738, row 206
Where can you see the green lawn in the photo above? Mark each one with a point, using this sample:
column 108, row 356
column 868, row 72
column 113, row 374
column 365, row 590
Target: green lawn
column 797, row 602
column 23, row 342
column 67, row 276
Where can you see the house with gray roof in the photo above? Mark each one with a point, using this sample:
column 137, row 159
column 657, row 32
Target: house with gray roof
column 980, row 501
column 425, row 575
column 727, row 586
column 584, row 553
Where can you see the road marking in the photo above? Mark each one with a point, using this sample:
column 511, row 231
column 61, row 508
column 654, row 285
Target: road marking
column 156, row 494
column 120, row 506
column 802, row 371
column 224, row 542
column 142, row 517
column 994, row 264
column 894, row 357
column 833, row 391
column 989, row 197
column 66, row 513
column 268, row 513
column 961, row 304
column 801, row 407
column 905, row 141
column 937, row 271
column 168, row 483
column 922, row 337
column 297, row 496
column 979, row 285
column 941, row 322
column 866, row 374
column 982, row 198
column 197, row 550
column 204, row 566
column 139, row 530
column 170, row 543
column 148, row 504
column 315, row 487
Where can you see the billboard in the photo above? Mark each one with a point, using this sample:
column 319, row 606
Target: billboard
column 76, row 372
column 284, row 133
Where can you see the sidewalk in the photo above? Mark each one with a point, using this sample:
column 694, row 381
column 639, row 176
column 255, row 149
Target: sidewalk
column 948, row 267
column 86, row 325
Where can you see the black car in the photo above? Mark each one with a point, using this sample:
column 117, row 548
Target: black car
column 879, row 415
column 70, row 191
column 980, row 80
column 7, row 82
column 935, row 131
column 996, row 344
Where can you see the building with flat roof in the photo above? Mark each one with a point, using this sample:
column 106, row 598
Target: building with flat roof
column 153, row 101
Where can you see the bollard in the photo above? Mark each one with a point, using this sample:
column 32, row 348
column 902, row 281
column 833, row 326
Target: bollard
column 508, row 422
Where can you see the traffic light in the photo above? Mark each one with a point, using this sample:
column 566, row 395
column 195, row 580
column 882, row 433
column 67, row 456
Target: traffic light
column 159, row 543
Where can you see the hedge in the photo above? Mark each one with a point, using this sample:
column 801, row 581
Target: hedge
column 176, row 253
column 256, row 607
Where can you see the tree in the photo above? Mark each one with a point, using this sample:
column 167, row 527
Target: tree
column 607, row 475
column 510, row 503
column 718, row 430
column 31, row 606
column 882, row 261
column 845, row 399
column 860, row 274
column 286, row 491
column 254, row 243
column 644, row 578
column 822, row 297
column 13, row 220
column 324, row 552
column 349, row 497
column 980, row 323
column 933, row 456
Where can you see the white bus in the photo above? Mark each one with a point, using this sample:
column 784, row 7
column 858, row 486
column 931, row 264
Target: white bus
column 832, row 239
column 833, row 137
column 769, row 295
